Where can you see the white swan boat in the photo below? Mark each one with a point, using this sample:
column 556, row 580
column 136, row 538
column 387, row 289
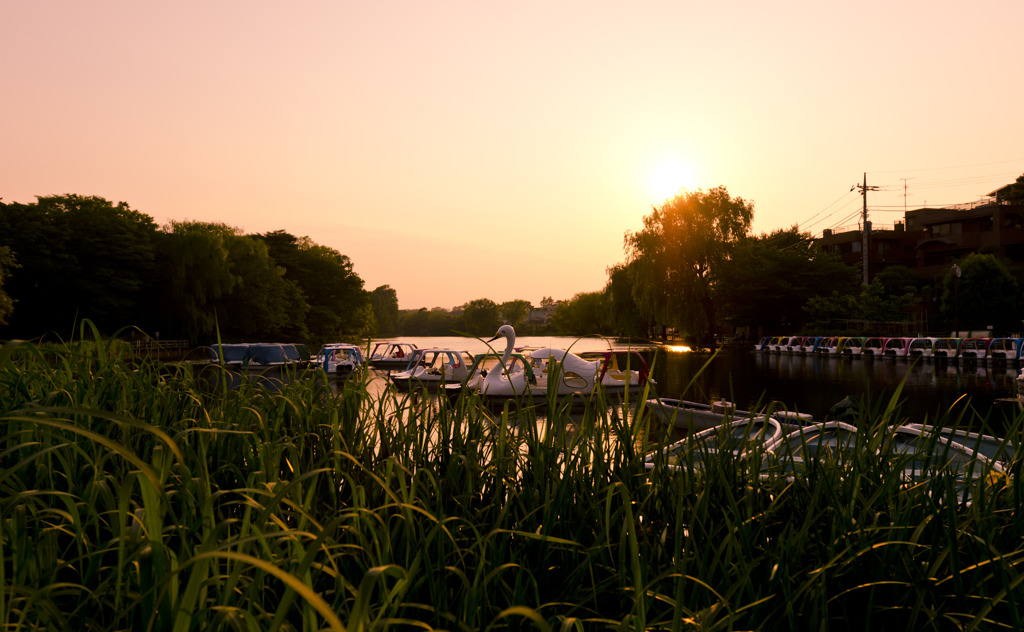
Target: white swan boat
column 532, row 378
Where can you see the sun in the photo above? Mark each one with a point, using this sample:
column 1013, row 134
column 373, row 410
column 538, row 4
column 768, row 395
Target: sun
column 668, row 178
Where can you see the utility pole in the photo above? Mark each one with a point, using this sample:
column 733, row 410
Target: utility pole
column 865, row 225
column 905, row 195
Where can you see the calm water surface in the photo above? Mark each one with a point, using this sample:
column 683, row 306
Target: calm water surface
column 809, row 384
column 814, row 384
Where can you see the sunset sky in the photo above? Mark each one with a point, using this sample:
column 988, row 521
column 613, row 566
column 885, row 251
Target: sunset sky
column 464, row 150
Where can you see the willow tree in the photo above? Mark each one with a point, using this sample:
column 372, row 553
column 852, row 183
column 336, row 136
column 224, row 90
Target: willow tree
column 672, row 260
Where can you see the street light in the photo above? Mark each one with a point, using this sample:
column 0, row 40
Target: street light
column 956, row 296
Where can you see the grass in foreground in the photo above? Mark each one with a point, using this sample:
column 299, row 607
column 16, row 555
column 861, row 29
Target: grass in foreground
column 139, row 497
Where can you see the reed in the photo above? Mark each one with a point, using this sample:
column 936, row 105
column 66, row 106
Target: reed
column 140, row 496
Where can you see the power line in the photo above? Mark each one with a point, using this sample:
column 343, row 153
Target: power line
column 967, row 180
column 841, row 209
column 920, row 187
column 846, row 220
column 834, row 202
column 984, row 164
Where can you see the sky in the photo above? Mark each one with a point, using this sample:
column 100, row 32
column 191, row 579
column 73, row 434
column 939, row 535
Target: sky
column 465, row 150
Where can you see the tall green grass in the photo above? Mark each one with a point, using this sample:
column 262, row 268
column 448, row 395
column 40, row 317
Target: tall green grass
column 140, row 496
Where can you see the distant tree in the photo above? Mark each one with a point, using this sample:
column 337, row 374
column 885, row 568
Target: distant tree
column 338, row 304
column 878, row 303
column 1014, row 194
column 79, row 257
column 891, row 295
column 384, row 300
column 888, row 298
column 195, row 275
column 37, row 242
column 291, row 255
column 195, row 272
column 434, row 322
column 363, row 322
column 984, row 295
column 220, row 280
column 674, row 257
column 769, row 279
column 900, row 280
column 414, row 322
column 481, row 317
column 584, row 314
column 823, row 310
column 626, row 318
column 515, row 313
column 263, row 304
column 114, row 251
column 7, row 263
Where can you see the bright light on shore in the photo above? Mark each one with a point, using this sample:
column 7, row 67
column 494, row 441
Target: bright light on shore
column 678, row 348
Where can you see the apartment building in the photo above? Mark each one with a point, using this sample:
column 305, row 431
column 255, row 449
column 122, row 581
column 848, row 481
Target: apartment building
column 929, row 240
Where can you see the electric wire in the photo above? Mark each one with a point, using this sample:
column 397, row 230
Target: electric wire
column 983, row 164
column 920, row 187
column 836, row 201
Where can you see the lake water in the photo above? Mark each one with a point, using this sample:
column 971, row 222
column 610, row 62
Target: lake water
column 809, row 384
column 814, row 384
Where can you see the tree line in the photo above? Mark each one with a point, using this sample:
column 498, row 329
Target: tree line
column 67, row 258
column 693, row 269
column 70, row 257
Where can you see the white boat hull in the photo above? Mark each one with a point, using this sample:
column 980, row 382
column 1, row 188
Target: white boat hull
column 688, row 416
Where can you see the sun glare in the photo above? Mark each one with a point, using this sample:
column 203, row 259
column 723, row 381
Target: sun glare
column 667, row 179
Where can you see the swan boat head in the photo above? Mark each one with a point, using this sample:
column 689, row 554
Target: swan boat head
column 573, row 373
column 502, row 378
